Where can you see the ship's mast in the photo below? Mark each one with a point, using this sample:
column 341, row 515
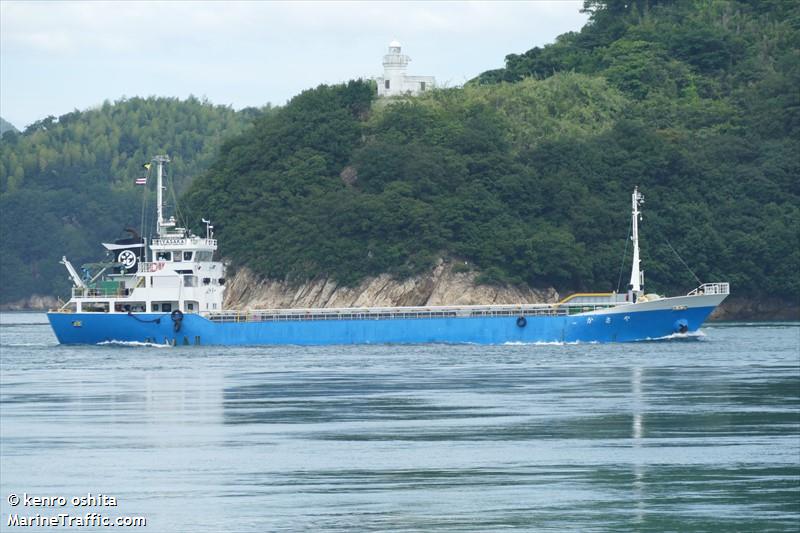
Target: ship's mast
column 637, row 275
column 160, row 160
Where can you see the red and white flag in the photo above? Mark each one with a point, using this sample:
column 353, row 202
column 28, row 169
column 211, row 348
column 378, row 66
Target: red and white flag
column 141, row 181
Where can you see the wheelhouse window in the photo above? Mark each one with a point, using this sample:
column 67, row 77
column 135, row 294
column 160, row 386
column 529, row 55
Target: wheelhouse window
column 131, row 307
column 164, row 256
column 187, row 256
column 177, row 255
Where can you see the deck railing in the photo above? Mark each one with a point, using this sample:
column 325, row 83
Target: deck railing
column 395, row 313
column 712, row 288
column 81, row 292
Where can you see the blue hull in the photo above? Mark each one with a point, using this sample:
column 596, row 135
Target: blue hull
column 612, row 326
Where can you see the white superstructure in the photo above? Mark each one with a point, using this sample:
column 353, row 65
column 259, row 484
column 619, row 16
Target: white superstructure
column 179, row 275
column 395, row 81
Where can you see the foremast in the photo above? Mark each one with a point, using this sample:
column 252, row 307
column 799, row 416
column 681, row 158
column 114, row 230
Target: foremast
column 637, row 274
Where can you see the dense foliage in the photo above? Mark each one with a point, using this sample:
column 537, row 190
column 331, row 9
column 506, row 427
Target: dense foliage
column 526, row 172
column 67, row 183
column 6, row 126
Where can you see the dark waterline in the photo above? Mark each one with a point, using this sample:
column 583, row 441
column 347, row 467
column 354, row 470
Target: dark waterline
column 701, row 435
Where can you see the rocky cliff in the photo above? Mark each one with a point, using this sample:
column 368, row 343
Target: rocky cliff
column 35, row 302
column 444, row 285
column 758, row 309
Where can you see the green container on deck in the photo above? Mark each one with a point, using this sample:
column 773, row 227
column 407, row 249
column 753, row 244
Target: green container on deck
column 110, row 287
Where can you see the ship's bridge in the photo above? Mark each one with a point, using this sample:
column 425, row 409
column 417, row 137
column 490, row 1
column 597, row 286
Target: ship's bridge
column 171, row 249
column 180, row 245
column 184, row 245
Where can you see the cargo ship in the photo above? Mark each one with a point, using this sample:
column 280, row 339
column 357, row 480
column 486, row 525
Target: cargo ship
column 170, row 290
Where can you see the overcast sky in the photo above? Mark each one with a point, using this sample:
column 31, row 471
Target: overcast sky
column 59, row 56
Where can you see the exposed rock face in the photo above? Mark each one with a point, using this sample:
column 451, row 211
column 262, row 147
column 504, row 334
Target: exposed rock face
column 441, row 286
column 349, row 175
column 738, row 308
column 32, row 303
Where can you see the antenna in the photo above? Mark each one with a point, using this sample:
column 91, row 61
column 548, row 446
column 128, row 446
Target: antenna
column 209, row 227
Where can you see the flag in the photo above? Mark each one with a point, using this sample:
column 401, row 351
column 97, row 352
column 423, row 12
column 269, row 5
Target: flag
column 147, row 166
column 141, row 181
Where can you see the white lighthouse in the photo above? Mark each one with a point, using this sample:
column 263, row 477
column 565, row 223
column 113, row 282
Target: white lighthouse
column 395, row 81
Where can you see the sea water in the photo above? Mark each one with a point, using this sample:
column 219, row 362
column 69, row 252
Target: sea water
column 698, row 434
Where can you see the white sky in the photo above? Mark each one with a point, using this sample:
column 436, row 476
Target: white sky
column 59, row 56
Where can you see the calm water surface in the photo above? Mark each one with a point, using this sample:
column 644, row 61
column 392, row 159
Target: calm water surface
column 699, row 435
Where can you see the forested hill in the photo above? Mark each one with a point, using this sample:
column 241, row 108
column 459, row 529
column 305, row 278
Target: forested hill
column 6, row 126
column 67, row 183
column 526, row 172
